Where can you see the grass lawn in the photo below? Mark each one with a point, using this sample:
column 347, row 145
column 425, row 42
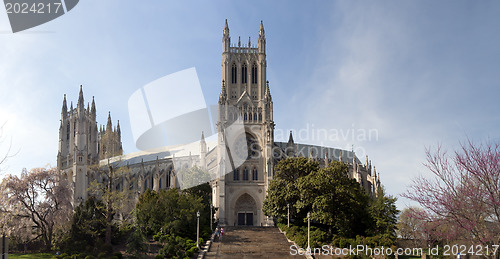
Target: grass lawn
column 31, row 256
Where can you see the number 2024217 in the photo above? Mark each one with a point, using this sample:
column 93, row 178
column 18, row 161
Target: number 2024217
column 471, row 250
column 40, row 8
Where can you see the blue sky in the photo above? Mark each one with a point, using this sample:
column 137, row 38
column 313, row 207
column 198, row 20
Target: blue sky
column 419, row 73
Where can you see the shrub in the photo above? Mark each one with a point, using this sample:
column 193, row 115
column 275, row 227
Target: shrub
column 318, row 237
column 79, row 256
column 191, row 251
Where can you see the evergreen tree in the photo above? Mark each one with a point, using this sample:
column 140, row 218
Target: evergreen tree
column 384, row 214
column 88, row 229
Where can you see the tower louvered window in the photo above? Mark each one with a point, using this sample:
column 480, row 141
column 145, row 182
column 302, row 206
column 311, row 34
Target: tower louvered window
column 255, row 176
column 244, row 74
column 254, row 74
column 245, row 174
column 234, row 74
column 236, row 175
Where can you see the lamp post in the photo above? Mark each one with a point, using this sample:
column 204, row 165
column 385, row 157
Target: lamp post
column 211, row 215
column 288, row 207
column 309, row 231
column 198, row 229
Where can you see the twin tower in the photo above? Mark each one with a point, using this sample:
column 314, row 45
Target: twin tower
column 82, row 144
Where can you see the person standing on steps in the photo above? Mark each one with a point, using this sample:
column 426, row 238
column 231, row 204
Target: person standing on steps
column 217, row 234
column 221, row 233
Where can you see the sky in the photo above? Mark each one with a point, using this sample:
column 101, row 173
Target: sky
column 385, row 78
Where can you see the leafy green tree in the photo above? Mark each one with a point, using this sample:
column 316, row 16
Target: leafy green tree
column 170, row 211
column 384, row 214
column 283, row 188
column 88, row 228
column 170, row 215
column 149, row 216
column 337, row 203
column 335, row 200
column 204, row 191
column 135, row 243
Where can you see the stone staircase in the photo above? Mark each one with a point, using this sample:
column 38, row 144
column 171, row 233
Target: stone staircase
column 251, row 242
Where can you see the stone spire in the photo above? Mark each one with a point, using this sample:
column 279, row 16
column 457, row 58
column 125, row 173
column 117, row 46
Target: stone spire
column 226, row 40
column 64, row 110
column 261, row 30
column 354, row 163
column 290, row 139
column 109, row 126
column 118, row 131
column 226, row 29
column 203, row 151
column 223, row 93
column 92, row 109
column 268, row 92
column 290, row 146
column 262, row 39
column 80, row 99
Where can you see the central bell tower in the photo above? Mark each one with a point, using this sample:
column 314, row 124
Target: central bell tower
column 245, row 99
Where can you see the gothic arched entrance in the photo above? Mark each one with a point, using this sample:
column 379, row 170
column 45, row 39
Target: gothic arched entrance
column 246, row 209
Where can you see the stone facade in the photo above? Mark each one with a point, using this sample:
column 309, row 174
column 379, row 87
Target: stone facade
column 238, row 192
column 81, row 144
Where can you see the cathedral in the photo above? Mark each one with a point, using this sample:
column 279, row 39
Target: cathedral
column 239, row 164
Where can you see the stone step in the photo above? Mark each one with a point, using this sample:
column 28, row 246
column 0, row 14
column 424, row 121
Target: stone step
column 251, row 242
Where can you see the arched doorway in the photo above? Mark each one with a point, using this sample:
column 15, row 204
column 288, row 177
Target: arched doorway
column 245, row 210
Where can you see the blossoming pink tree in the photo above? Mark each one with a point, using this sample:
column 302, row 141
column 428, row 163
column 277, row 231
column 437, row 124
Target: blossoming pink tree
column 462, row 200
column 38, row 196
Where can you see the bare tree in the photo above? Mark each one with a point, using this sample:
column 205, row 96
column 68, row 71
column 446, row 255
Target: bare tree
column 116, row 200
column 7, row 154
column 463, row 198
column 39, row 196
